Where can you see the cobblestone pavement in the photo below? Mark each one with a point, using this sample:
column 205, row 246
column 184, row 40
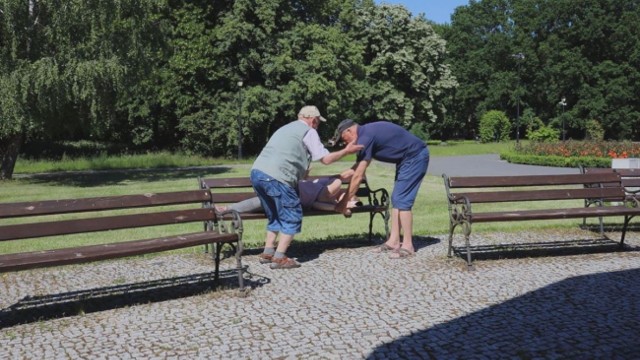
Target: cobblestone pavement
column 349, row 303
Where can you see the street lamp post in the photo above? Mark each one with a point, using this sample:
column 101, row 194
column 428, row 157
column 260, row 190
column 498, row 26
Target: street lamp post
column 240, row 121
column 519, row 57
column 563, row 103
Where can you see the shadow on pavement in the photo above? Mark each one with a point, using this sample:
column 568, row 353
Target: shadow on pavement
column 309, row 251
column 585, row 317
column 541, row 249
column 37, row 308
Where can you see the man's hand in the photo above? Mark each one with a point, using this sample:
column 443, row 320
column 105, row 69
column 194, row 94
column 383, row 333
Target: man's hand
column 342, row 208
column 352, row 147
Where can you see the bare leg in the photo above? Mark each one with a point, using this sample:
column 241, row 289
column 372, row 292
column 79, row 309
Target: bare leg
column 283, row 244
column 393, row 242
column 324, row 206
column 406, row 222
column 270, row 240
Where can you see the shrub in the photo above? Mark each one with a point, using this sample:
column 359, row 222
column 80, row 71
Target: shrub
column 494, row 126
column 595, row 132
column 544, row 134
column 419, row 130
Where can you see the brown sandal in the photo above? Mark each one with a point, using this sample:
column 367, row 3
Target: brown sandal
column 401, row 254
column 265, row 258
column 383, row 248
column 284, row 263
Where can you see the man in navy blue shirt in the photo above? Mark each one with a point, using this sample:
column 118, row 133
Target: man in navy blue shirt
column 390, row 143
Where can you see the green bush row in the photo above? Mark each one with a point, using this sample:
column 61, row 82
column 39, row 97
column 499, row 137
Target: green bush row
column 557, row 161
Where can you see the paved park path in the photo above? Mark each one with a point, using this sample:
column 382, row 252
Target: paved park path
column 345, row 302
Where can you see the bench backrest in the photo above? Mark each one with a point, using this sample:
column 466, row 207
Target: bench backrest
column 630, row 178
column 240, row 188
column 533, row 188
column 37, row 227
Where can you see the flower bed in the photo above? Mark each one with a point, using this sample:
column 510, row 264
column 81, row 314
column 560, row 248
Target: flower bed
column 573, row 153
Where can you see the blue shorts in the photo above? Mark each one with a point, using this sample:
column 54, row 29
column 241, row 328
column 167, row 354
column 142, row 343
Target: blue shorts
column 409, row 175
column 280, row 202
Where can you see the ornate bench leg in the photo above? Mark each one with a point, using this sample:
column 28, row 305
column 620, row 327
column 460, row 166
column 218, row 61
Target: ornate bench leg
column 450, row 250
column 217, row 251
column 467, row 234
column 239, row 267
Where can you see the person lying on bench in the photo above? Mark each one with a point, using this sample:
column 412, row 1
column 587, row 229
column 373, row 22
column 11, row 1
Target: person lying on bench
column 321, row 194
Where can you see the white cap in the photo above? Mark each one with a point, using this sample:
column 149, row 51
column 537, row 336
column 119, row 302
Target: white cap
column 310, row 111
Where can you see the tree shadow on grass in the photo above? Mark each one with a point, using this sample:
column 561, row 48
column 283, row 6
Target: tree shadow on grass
column 592, row 316
column 115, row 177
column 38, row 308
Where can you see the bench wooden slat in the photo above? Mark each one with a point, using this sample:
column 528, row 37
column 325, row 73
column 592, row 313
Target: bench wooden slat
column 630, row 178
column 65, row 206
column 221, row 183
column 530, row 180
column 542, row 195
column 314, row 212
column 242, row 182
column 37, row 259
column 549, row 214
column 229, row 198
column 628, row 172
column 34, row 230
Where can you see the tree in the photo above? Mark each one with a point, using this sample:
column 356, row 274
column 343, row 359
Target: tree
column 67, row 68
column 407, row 77
column 583, row 51
column 286, row 54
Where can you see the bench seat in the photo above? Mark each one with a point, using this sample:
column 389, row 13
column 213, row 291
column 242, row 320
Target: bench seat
column 82, row 254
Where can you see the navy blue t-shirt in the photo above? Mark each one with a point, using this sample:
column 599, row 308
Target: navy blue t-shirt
column 387, row 142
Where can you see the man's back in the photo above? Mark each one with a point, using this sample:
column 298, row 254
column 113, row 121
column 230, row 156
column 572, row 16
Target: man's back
column 387, row 142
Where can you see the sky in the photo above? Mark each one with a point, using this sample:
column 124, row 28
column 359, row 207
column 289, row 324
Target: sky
column 438, row 11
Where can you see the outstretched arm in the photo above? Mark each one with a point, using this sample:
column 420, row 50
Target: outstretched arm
column 351, row 148
column 356, row 180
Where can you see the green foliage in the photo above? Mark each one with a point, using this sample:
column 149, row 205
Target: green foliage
column 420, row 131
column 164, row 75
column 584, row 51
column 494, row 126
column 407, row 76
column 556, row 161
column 72, row 70
column 594, row 130
column 544, row 134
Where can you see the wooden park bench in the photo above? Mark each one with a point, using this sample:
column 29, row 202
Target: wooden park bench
column 483, row 199
column 226, row 191
column 28, row 220
column 629, row 178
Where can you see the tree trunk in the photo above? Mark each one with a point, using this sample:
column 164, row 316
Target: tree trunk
column 9, row 150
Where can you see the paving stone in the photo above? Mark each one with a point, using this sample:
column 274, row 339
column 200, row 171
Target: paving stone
column 349, row 303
